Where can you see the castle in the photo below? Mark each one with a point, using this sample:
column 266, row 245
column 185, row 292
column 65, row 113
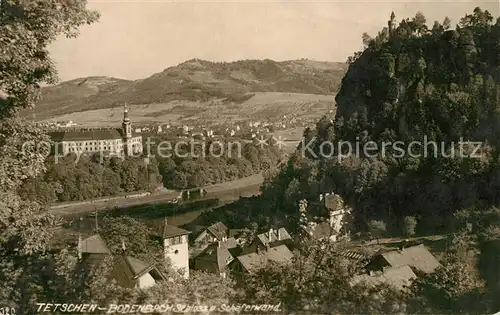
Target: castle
column 111, row 141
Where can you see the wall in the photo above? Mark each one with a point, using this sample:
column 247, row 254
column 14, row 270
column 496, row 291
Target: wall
column 71, row 203
column 206, row 265
column 179, row 260
column 146, row 281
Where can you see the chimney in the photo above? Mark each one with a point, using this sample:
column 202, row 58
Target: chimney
column 320, row 197
column 279, row 235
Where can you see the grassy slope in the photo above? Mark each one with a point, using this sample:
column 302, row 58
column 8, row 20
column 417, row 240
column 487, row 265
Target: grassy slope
column 194, row 85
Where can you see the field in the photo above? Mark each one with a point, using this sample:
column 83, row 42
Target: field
column 263, row 105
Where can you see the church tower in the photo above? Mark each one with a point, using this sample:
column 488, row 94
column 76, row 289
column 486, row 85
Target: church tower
column 127, row 132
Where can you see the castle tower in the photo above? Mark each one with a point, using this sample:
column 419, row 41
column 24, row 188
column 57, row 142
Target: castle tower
column 127, row 132
column 176, row 249
column 392, row 23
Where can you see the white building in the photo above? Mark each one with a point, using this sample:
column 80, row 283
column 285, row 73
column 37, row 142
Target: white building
column 176, row 248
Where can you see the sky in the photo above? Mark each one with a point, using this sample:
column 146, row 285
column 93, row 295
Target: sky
column 135, row 39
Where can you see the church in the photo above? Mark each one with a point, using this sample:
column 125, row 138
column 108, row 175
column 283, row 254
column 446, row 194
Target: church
column 110, row 141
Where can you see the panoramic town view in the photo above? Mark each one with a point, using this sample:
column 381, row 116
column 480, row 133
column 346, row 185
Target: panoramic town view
column 249, row 157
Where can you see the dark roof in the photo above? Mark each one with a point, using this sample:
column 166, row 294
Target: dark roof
column 399, row 277
column 219, row 253
column 128, row 269
column 255, row 261
column 266, row 240
column 94, row 245
column 218, row 230
column 237, row 232
column 417, row 257
column 89, row 134
column 167, row 231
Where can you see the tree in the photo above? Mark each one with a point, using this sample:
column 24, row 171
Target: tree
column 377, row 229
column 318, row 280
column 26, row 29
column 136, row 236
column 455, row 287
column 410, row 223
column 179, row 180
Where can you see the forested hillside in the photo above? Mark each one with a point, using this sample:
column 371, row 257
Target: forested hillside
column 413, row 82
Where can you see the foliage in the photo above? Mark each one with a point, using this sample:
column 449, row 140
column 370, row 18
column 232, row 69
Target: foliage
column 26, row 28
column 454, row 288
column 70, row 178
column 410, row 224
column 437, row 86
column 197, row 169
column 135, row 235
column 318, row 280
column 377, row 228
column 408, row 86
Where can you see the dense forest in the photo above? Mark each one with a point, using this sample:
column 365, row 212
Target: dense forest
column 73, row 178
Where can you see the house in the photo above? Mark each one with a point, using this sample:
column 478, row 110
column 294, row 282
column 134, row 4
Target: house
column 216, row 257
column 399, row 277
column 270, row 239
column 252, row 262
column 336, row 227
column 127, row 271
column 215, row 232
column 130, row 272
column 417, row 257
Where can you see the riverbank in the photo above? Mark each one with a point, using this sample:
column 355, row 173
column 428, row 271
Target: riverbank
column 228, row 191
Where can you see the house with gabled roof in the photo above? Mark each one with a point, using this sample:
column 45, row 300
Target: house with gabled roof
column 213, row 233
column 251, row 262
column 270, row 239
column 419, row 258
column 128, row 271
column 329, row 205
column 216, row 257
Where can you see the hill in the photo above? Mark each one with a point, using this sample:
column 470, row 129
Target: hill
column 195, row 81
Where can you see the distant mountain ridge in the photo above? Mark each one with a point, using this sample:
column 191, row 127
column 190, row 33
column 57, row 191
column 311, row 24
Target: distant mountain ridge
column 193, row 80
